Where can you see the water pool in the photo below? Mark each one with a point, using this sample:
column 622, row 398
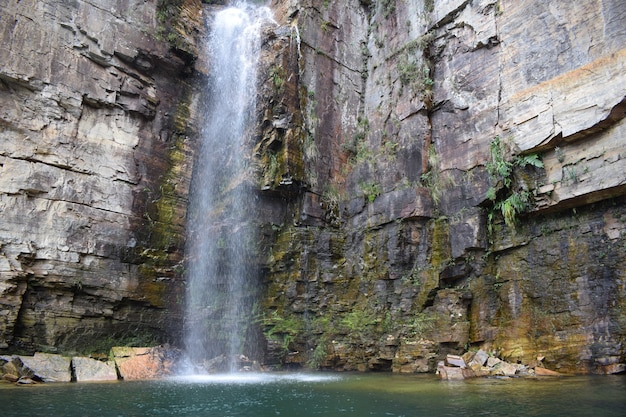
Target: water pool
column 303, row 395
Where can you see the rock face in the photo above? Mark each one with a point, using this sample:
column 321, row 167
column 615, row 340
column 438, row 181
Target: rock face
column 463, row 185
column 431, row 175
column 96, row 115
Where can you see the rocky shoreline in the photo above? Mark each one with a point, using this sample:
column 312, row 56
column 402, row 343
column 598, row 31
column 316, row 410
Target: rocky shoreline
column 123, row 363
column 145, row 363
column 481, row 364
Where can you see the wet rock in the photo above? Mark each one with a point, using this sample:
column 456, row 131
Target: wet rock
column 415, row 356
column 479, row 364
column 613, row 368
column 224, row 363
column 216, row 365
column 87, row 369
column 451, row 309
column 9, row 370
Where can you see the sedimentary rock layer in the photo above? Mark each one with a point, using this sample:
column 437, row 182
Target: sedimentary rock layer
column 397, row 251
column 95, row 116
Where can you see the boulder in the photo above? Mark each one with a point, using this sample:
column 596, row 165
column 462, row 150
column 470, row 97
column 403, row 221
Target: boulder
column 480, row 358
column 87, row 369
column 455, row 360
column 453, row 373
column 492, row 361
column 10, row 377
column 504, row 368
column 449, row 372
column 9, row 369
column 136, row 363
column 44, row 367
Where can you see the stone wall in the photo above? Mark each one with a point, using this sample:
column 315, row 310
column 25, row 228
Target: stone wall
column 406, row 241
column 97, row 108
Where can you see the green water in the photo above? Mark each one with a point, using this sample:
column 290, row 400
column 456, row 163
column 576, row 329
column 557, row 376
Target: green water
column 322, row 395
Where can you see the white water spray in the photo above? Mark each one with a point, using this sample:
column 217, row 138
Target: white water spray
column 221, row 282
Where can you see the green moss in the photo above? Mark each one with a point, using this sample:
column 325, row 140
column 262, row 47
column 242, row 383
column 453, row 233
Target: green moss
column 164, row 214
column 440, row 246
column 275, row 166
column 173, row 21
column 284, row 328
column 418, row 325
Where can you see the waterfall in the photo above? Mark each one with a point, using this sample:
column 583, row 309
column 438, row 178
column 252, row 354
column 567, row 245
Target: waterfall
column 221, row 282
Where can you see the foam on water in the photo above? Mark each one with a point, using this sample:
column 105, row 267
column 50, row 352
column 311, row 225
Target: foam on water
column 254, row 378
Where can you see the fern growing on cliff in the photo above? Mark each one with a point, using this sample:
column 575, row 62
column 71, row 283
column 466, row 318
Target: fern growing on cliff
column 509, row 196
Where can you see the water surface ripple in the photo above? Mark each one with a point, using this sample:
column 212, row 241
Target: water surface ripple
column 303, row 395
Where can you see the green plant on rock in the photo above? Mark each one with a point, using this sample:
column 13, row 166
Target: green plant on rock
column 358, row 322
column 331, row 198
column 413, row 74
column 433, row 178
column 167, row 13
column 320, row 353
column 309, row 148
column 272, row 169
column 509, row 196
column 370, row 190
column 277, row 74
column 357, row 147
column 419, row 324
column 282, row 328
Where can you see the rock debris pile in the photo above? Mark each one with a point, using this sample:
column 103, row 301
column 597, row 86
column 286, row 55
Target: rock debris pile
column 481, row 364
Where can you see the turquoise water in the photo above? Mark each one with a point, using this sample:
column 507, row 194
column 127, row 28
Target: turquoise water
column 302, row 395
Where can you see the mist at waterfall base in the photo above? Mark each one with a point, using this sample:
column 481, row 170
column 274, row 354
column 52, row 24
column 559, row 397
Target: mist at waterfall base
column 326, row 395
column 221, row 238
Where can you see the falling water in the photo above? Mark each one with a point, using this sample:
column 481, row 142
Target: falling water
column 220, row 244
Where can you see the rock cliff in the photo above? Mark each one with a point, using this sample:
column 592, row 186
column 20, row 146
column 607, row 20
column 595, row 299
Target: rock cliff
column 463, row 186
column 433, row 176
column 96, row 114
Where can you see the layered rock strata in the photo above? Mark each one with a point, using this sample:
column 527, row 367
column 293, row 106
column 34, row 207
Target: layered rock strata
column 463, row 186
column 96, row 114
column 432, row 176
